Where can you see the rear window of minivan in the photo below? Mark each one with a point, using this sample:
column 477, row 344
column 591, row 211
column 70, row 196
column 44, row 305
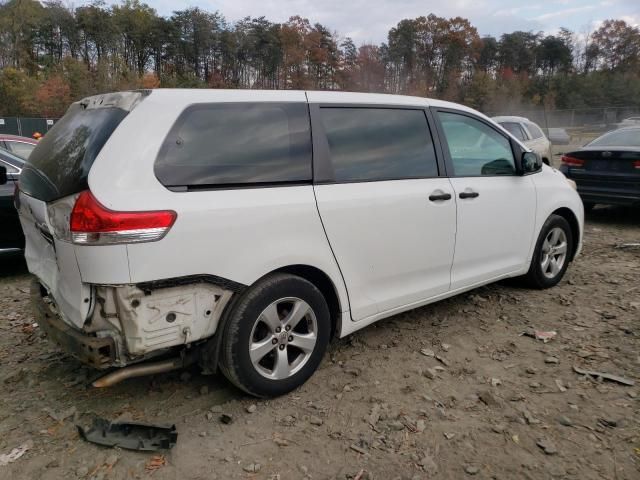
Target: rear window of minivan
column 237, row 144
column 60, row 164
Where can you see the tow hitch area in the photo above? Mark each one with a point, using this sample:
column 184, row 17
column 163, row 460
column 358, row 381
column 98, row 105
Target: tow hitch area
column 130, row 435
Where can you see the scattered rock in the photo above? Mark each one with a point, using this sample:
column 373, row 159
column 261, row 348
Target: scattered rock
column 204, row 390
column 313, row 420
column 63, row 415
column 443, row 360
column 358, row 449
column 560, row 385
column 427, row 352
column 252, row 468
column 565, row 421
column 499, row 428
column 281, row 442
column 226, row 418
column 375, row 414
column 288, row 420
column 552, row 360
column 471, row 470
column 421, row 425
column 528, row 416
column 203, row 434
column 608, row 422
column 252, row 408
column 449, row 435
column 488, row 399
column 495, row 382
column 395, row 425
column 547, row 446
column 428, row 465
column 430, row 373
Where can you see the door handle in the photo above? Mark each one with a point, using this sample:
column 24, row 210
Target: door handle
column 469, row 194
column 438, row 197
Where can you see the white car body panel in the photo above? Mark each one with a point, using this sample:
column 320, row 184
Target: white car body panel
column 378, row 232
column 53, row 261
column 384, row 245
column 493, row 235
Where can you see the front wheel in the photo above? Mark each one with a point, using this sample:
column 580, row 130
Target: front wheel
column 275, row 336
column 552, row 254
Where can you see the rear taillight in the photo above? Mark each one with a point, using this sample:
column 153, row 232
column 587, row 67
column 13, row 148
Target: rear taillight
column 93, row 224
column 636, row 164
column 572, row 161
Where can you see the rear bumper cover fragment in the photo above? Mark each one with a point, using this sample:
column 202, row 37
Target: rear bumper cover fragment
column 95, row 351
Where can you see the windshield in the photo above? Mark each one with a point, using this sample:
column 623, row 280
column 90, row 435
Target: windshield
column 618, row 138
column 60, row 164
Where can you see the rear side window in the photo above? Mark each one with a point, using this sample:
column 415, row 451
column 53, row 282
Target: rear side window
column 515, row 129
column 368, row 144
column 535, row 130
column 237, row 144
column 60, row 163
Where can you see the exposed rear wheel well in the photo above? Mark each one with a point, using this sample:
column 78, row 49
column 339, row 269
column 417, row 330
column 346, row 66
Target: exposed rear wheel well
column 324, row 284
column 570, row 217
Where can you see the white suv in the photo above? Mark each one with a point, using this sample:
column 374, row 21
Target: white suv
column 243, row 229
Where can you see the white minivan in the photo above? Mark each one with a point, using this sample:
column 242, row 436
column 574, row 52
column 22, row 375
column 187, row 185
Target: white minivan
column 243, row 229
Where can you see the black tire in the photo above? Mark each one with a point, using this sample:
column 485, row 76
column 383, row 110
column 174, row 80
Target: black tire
column 535, row 277
column 588, row 206
column 235, row 359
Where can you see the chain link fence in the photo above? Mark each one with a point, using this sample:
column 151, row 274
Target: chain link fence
column 25, row 126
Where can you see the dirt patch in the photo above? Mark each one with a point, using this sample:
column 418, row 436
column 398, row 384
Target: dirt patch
column 448, row 391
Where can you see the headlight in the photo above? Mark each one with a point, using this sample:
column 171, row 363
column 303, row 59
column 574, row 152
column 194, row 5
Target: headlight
column 571, row 183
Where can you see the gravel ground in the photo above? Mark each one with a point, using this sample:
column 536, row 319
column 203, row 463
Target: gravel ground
column 449, row 391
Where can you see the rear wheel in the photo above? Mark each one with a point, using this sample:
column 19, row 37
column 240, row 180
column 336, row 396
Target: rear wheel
column 552, row 253
column 275, row 336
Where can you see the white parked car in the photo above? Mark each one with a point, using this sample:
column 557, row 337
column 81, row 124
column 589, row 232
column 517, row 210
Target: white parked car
column 244, row 229
column 529, row 134
column 629, row 122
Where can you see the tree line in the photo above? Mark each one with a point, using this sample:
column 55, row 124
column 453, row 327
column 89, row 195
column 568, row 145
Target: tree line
column 51, row 54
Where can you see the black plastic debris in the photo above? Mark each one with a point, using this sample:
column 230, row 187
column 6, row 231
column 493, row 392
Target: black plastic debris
column 130, row 435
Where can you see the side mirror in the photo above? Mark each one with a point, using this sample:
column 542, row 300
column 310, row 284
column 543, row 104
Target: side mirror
column 530, row 163
column 3, row 174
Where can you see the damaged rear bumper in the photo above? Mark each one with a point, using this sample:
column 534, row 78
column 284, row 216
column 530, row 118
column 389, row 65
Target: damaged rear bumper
column 95, row 351
column 131, row 323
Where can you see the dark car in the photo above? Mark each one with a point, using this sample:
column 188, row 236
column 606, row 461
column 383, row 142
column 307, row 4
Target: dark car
column 11, row 237
column 607, row 170
column 19, row 146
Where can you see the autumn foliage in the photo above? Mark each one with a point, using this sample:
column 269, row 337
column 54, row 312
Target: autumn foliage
column 52, row 54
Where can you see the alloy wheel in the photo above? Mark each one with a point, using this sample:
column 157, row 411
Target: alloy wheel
column 283, row 338
column 554, row 252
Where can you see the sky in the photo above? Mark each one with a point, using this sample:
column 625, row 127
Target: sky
column 370, row 20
